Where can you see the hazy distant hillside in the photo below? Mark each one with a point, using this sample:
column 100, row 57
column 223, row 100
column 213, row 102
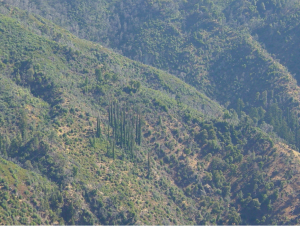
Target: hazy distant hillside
column 88, row 136
column 219, row 48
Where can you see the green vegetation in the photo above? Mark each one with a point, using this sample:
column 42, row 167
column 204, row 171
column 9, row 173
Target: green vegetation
column 88, row 136
column 218, row 47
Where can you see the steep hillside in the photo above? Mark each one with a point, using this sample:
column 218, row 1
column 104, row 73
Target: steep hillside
column 113, row 141
column 54, row 131
column 25, row 196
column 223, row 49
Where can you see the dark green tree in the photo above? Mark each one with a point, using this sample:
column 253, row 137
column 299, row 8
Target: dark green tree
column 107, row 148
column 240, row 106
column 23, row 124
column 113, row 150
column 86, row 83
column 98, row 132
column 98, row 74
column 1, row 143
column 149, row 164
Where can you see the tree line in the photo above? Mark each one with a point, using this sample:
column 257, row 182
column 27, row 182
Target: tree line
column 124, row 129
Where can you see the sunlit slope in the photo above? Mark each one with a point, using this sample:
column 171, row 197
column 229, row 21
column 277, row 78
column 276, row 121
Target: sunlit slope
column 195, row 164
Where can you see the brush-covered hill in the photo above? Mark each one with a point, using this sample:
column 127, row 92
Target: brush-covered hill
column 91, row 137
column 243, row 54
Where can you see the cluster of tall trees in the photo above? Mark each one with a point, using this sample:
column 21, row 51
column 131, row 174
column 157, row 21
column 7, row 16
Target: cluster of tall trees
column 8, row 146
column 284, row 120
column 285, row 123
column 124, row 129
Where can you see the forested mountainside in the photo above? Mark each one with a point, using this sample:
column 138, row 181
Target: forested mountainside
column 205, row 132
column 243, row 54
